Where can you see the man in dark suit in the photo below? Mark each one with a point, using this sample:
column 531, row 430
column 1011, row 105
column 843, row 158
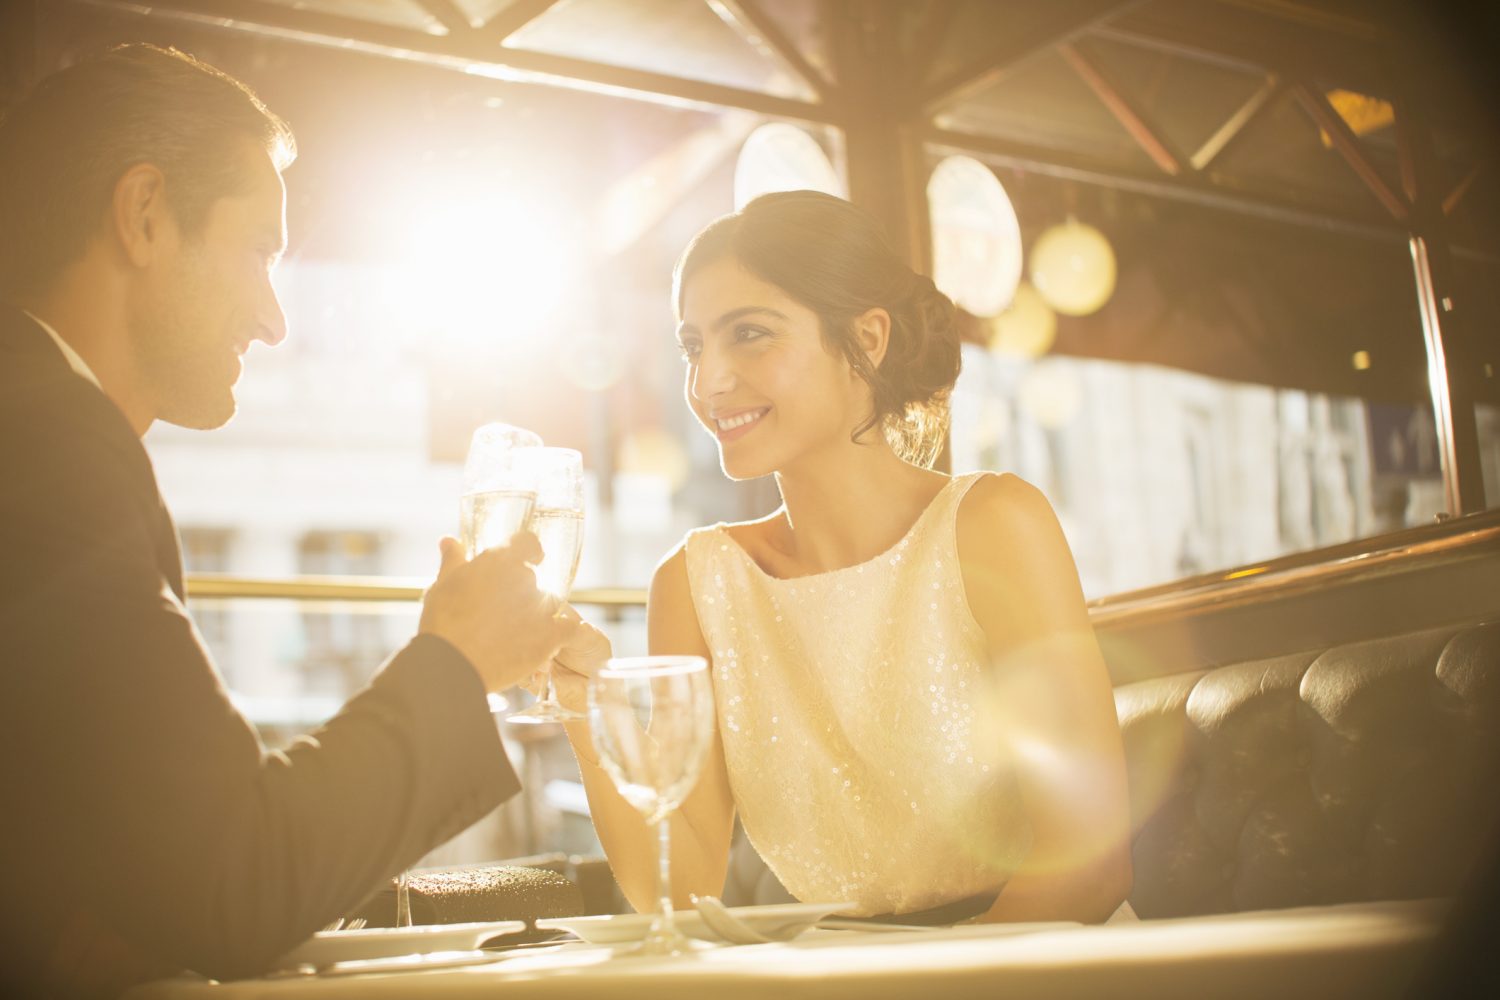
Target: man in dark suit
column 146, row 829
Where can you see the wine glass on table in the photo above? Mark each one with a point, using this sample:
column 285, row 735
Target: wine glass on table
column 652, row 721
column 497, row 502
column 556, row 475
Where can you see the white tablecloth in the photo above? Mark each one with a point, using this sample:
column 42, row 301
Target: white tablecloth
column 1362, row 950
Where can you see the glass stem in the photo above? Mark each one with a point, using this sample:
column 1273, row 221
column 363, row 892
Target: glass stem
column 664, row 869
column 403, row 900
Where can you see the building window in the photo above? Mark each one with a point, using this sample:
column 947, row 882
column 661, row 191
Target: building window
column 343, row 645
column 206, row 550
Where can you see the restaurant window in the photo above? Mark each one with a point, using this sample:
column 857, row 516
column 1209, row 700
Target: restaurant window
column 342, row 645
column 207, row 550
column 1194, row 391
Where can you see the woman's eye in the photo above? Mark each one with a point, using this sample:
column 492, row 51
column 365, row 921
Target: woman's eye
column 689, row 350
column 746, row 333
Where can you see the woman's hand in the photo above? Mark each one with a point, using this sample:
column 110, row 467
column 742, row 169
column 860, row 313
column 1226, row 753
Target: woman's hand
column 582, row 656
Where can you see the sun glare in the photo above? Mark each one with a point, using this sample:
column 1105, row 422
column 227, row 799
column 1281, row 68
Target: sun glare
column 479, row 269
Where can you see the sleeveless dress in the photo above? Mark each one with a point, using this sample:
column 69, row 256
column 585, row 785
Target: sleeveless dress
column 849, row 704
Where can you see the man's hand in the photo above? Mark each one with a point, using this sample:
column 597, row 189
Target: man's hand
column 489, row 608
column 582, row 656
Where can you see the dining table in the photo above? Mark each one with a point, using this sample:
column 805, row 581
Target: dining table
column 1367, row 950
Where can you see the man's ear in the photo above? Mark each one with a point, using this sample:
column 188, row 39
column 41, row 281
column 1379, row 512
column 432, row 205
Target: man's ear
column 139, row 217
column 872, row 332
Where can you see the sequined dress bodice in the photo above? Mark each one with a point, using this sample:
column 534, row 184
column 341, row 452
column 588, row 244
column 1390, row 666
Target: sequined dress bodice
column 847, row 702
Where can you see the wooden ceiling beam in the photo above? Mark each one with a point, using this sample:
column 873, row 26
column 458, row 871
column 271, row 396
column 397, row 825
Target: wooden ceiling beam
column 448, row 14
column 1462, row 188
column 1340, row 63
column 469, row 53
column 1061, row 24
column 1198, row 189
column 1347, row 143
column 751, row 22
column 1236, row 124
column 513, row 18
column 927, row 41
column 1124, row 110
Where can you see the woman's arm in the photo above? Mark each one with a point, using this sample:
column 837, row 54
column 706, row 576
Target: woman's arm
column 701, row 828
column 1052, row 707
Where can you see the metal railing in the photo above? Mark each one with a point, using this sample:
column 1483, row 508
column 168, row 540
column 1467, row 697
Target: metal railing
column 339, row 589
column 1475, row 536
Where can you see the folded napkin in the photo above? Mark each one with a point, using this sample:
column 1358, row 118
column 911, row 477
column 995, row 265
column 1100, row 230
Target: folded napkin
column 461, row 895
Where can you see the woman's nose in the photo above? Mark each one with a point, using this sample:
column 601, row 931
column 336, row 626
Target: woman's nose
column 712, row 374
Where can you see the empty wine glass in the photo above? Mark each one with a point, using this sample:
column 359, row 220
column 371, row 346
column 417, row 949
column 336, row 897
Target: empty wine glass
column 556, row 476
column 652, row 721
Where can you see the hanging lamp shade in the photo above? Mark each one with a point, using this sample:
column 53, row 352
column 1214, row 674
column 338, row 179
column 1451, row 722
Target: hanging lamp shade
column 1073, row 267
column 782, row 157
column 1025, row 330
column 976, row 238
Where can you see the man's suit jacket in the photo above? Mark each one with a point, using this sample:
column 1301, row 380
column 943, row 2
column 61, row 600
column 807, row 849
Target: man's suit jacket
column 145, row 829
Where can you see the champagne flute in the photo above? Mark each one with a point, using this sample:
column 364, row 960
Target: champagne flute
column 652, row 721
column 497, row 502
column 498, row 499
column 556, row 474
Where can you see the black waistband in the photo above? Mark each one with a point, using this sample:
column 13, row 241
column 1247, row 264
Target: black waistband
column 947, row 913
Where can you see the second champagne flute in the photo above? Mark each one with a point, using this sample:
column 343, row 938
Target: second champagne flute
column 556, row 474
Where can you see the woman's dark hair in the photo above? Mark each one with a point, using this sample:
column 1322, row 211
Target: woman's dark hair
column 65, row 145
column 834, row 258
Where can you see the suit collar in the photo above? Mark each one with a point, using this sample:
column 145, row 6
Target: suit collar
column 20, row 334
column 41, row 369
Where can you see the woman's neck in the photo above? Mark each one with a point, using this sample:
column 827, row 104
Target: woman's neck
column 848, row 507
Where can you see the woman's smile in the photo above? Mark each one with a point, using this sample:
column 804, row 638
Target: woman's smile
column 735, row 424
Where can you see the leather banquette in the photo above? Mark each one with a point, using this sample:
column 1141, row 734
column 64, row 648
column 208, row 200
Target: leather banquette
column 1363, row 771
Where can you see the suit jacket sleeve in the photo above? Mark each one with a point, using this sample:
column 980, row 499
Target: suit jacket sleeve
column 200, row 847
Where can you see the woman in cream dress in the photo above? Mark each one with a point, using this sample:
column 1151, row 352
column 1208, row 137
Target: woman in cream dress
column 912, row 710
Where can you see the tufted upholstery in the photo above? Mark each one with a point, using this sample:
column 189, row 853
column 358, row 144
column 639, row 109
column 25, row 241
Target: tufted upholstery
column 1365, row 771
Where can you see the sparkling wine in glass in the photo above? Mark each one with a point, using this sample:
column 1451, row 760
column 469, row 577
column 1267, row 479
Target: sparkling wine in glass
column 652, row 722
column 498, row 498
column 556, row 476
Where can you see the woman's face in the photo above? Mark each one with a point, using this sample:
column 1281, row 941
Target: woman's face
column 759, row 378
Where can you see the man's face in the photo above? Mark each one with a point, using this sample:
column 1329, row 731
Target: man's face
column 209, row 299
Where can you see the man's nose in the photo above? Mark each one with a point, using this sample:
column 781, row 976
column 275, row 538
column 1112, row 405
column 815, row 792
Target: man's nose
column 270, row 320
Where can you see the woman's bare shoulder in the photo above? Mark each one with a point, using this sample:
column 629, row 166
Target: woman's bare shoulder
column 1018, row 569
column 1003, row 502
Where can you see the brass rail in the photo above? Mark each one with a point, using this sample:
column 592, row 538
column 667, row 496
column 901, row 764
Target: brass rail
column 1475, row 536
column 224, row 586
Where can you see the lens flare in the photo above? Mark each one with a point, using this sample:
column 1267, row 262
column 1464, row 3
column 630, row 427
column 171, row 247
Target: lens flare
column 1040, row 717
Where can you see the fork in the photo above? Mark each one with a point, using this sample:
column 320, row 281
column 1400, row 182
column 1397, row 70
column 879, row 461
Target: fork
column 339, row 925
column 734, row 930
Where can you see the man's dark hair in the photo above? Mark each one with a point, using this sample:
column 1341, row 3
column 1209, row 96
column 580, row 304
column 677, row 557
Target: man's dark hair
column 64, row 146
